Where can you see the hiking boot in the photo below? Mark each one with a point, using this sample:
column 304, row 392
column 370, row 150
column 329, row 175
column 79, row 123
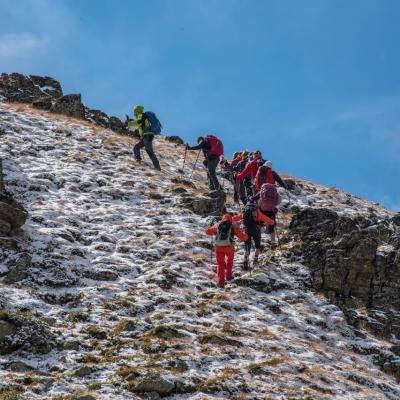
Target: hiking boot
column 273, row 245
column 255, row 261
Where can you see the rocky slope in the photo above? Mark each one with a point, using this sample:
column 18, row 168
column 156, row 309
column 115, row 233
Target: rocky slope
column 107, row 291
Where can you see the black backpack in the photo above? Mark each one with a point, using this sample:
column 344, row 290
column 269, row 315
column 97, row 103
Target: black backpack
column 248, row 215
column 224, row 235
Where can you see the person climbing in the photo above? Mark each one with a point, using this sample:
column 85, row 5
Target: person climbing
column 224, row 232
column 253, row 219
column 212, row 149
column 250, row 172
column 228, row 166
column 148, row 126
column 268, row 200
column 266, row 174
column 239, row 186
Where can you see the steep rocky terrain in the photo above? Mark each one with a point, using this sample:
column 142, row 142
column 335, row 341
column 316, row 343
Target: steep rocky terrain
column 107, row 290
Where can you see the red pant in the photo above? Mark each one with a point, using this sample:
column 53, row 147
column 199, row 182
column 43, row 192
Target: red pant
column 224, row 256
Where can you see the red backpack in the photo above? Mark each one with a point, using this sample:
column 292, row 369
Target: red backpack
column 217, row 148
column 269, row 197
column 264, row 175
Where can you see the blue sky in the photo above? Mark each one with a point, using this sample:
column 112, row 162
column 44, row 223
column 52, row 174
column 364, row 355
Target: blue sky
column 314, row 84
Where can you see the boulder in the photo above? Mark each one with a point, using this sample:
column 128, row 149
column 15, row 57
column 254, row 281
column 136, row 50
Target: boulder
column 117, row 125
column 12, row 215
column 43, row 103
column 174, row 139
column 212, row 203
column 155, row 384
column 18, row 269
column 48, row 85
column 70, row 105
column 28, row 333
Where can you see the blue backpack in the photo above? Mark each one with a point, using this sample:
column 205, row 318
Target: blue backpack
column 155, row 124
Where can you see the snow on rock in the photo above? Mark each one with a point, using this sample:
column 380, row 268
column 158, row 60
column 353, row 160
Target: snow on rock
column 115, row 275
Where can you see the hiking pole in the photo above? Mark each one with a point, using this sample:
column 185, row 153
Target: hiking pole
column 194, row 166
column 184, row 160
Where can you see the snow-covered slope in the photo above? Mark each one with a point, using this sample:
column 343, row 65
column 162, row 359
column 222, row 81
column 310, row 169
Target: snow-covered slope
column 120, row 278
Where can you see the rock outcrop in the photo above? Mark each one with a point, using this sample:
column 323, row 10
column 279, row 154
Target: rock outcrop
column 45, row 93
column 355, row 260
column 12, row 215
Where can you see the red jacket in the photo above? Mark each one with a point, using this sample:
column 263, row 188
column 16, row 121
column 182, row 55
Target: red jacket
column 250, row 169
column 264, row 175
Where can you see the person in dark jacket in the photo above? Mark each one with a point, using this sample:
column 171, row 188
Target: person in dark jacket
column 143, row 125
column 253, row 219
column 210, row 161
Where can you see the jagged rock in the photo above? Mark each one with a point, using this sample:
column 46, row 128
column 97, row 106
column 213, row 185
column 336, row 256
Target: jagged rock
column 117, row 125
column 174, row 139
column 97, row 117
column 20, row 332
column 212, row 203
column 18, row 366
column 262, row 282
column 43, row 103
column 25, row 89
column 18, row 269
column 353, row 265
column 70, row 104
column 218, row 340
column 396, row 219
column 84, row 371
column 12, row 215
column 167, row 332
column 102, row 275
column 156, row 384
column 48, row 85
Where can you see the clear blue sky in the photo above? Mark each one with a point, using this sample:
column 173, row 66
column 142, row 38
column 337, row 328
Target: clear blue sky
column 314, row 84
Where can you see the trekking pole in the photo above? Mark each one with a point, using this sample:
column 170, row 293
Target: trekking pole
column 184, row 160
column 276, row 230
column 194, row 166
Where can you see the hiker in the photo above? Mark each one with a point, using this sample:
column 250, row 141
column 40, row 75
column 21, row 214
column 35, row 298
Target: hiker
column 228, row 166
column 268, row 201
column 266, row 174
column 148, row 126
column 212, row 149
column 224, row 232
column 253, row 219
column 239, row 186
column 249, row 173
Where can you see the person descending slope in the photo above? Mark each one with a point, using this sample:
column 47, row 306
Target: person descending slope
column 224, row 232
column 268, row 200
column 212, row 149
column 148, row 126
column 266, row 174
column 253, row 219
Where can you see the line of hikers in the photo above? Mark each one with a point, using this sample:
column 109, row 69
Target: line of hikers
column 254, row 182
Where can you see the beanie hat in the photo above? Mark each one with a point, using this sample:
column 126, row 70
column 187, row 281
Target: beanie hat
column 268, row 164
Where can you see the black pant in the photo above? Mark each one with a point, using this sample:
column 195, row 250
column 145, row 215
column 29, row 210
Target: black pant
column 211, row 163
column 146, row 142
column 272, row 215
column 253, row 233
column 249, row 188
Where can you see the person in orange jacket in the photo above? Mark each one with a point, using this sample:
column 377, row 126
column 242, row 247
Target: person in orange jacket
column 224, row 232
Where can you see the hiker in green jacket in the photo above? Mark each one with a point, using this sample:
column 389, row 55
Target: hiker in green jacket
column 148, row 126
